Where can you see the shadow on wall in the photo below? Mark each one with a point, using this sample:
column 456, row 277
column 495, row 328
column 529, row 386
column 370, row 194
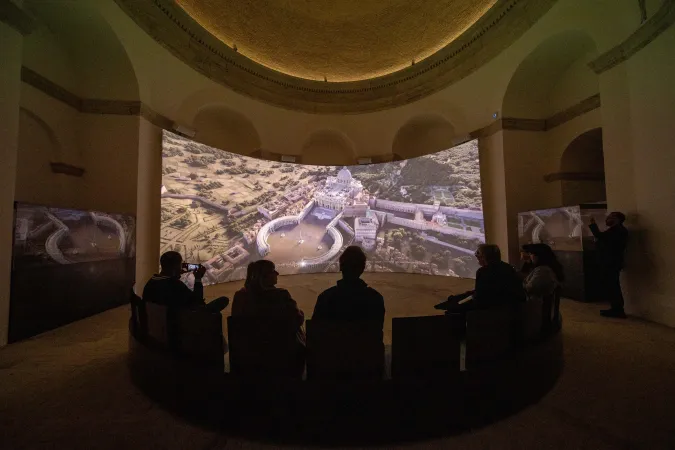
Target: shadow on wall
column 422, row 135
column 223, row 128
column 645, row 271
column 553, row 76
column 328, row 147
column 583, row 165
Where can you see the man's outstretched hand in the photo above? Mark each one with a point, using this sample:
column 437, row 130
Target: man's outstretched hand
column 199, row 273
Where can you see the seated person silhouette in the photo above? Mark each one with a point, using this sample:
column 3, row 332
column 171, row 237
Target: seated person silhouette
column 497, row 285
column 261, row 298
column 547, row 273
column 166, row 288
column 526, row 261
column 351, row 299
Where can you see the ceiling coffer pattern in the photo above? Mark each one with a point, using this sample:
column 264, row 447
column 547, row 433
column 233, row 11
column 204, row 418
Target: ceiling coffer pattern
column 180, row 33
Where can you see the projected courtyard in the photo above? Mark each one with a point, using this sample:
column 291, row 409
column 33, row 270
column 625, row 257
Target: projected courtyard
column 422, row 215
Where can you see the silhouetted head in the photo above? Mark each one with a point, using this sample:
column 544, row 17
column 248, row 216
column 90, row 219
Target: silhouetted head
column 260, row 275
column 487, row 254
column 615, row 218
column 172, row 264
column 543, row 255
column 352, row 262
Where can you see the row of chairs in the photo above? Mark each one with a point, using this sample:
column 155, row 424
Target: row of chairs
column 422, row 347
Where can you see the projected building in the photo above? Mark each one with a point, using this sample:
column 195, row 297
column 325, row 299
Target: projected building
column 406, row 214
column 365, row 228
column 338, row 192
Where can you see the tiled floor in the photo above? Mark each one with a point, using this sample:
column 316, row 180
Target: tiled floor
column 69, row 388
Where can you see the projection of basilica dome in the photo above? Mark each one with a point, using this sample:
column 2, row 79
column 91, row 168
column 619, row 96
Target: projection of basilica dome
column 345, row 40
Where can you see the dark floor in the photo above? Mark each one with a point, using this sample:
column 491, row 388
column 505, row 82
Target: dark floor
column 70, row 388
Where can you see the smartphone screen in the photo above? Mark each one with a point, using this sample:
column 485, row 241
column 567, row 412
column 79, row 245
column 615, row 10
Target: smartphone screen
column 192, row 267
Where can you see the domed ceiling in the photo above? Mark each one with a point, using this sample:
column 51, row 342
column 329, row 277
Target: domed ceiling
column 335, row 56
column 341, row 40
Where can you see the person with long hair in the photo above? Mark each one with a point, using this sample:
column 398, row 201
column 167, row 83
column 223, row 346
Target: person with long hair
column 526, row 264
column 547, row 273
column 261, row 298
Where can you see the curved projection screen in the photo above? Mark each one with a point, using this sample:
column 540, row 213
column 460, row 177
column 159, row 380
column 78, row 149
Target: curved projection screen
column 223, row 210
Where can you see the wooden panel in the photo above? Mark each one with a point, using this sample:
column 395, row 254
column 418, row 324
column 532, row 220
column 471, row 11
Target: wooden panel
column 425, row 347
column 157, row 323
column 344, row 350
column 489, row 336
column 201, row 336
column 263, row 347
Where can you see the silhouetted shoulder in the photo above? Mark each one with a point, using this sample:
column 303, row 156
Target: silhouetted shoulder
column 329, row 292
column 374, row 293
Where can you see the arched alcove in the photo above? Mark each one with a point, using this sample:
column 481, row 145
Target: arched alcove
column 38, row 147
column 422, row 135
column 582, row 169
column 223, row 128
column 328, row 147
column 75, row 47
column 553, row 76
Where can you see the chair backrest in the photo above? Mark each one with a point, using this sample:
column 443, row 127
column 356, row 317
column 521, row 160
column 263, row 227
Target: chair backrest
column 530, row 320
column 264, row 347
column 425, row 347
column 489, row 335
column 551, row 311
column 339, row 350
column 157, row 323
column 139, row 319
column 200, row 336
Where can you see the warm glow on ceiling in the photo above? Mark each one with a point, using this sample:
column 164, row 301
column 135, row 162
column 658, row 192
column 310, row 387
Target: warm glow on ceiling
column 342, row 40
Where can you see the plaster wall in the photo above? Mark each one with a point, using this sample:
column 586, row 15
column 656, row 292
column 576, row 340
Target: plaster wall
column 10, row 82
column 493, row 188
column 638, row 125
column 149, row 176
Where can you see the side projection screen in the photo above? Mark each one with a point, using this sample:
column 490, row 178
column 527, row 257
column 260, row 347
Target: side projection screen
column 68, row 264
column 223, row 210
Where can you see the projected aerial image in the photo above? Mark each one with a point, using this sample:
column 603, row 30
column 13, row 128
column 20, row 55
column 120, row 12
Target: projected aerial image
column 562, row 228
column 47, row 236
column 223, row 210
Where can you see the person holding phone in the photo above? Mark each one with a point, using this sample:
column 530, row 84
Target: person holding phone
column 166, row 288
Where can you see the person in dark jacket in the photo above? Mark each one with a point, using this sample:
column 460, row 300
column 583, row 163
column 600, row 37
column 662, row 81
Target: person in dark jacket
column 610, row 247
column 351, row 299
column 497, row 285
column 166, row 288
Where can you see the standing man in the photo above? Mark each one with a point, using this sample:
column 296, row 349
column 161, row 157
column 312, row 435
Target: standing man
column 611, row 245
